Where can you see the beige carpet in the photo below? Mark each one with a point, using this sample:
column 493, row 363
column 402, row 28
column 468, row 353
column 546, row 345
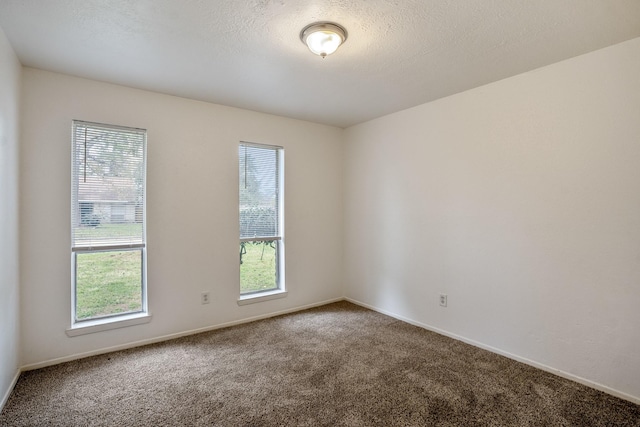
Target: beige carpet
column 337, row 365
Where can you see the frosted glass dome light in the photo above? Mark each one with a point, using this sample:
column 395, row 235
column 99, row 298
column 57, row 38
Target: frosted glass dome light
column 323, row 38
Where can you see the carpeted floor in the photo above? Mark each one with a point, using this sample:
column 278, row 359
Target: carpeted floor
column 336, row 365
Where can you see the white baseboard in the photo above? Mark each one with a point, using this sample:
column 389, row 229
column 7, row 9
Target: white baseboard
column 7, row 392
column 126, row 346
column 558, row 372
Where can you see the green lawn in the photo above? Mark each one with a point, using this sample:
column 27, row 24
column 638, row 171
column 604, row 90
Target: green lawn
column 108, row 283
column 258, row 268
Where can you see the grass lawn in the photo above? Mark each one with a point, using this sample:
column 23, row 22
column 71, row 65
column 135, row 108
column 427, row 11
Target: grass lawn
column 258, row 268
column 108, row 283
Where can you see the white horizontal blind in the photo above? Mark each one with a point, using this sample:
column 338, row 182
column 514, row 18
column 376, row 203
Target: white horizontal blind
column 108, row 186
column 259, row 192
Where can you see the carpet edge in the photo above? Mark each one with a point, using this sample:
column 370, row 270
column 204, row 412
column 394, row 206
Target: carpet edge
column 140, row 343
column 533, row 363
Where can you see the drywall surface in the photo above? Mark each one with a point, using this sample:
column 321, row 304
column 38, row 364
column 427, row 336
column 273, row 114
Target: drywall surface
column 10, row 70
column 192, row 209
column 520, row 200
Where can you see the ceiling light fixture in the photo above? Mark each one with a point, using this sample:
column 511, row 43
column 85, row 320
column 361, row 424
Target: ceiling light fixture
column 323, row 38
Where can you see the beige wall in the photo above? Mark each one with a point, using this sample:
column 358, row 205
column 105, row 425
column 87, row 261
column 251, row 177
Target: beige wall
column 521, row 201
column 10, row 70
column 192, row 210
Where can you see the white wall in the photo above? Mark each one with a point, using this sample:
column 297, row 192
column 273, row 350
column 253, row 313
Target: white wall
column 192, row 209
column 521, row 201
column 10, row 70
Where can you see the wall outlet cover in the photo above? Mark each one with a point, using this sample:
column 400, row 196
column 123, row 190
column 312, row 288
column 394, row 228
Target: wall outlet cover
column 204, row 298
column 443, row 300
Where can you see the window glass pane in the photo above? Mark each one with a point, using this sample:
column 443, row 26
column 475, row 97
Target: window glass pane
column 108, row 283
column 258, row 191
column 107, row 220
column 108, row 185
column 258, row 266
column 261, row 246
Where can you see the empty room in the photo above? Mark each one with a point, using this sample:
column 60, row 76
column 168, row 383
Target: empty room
column 355, row 213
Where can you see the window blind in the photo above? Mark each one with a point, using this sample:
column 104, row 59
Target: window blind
column 108, row 186
column 259, row 192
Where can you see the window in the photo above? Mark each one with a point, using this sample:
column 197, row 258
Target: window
column 261, row 222
column 107, row 222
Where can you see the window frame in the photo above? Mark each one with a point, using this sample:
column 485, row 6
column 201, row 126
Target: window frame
column 113, row 320
column 280, row 290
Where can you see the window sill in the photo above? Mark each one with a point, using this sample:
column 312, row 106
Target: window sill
column 262, row 296
column 100, row 325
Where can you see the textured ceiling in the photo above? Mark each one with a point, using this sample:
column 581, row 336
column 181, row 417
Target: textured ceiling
column 247, row 54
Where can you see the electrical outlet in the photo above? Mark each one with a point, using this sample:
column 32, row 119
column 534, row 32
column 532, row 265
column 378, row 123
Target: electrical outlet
column 204, row 298
column 443, row 300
